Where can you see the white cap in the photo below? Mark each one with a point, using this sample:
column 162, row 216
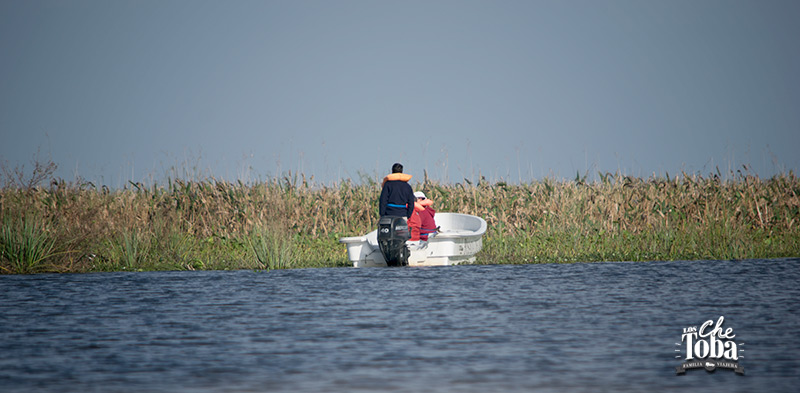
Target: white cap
column 419, row 194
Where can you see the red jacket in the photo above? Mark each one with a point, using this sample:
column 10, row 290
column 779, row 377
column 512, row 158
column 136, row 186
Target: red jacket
column 415, row 222
column 428, row 223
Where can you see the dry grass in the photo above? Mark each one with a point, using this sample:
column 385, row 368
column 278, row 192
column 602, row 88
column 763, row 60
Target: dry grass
column 213, row 224
column 625, row 218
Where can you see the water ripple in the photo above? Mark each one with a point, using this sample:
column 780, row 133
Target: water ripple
column 578, row 327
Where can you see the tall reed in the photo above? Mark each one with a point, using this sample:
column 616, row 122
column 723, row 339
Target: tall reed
column 213, row 224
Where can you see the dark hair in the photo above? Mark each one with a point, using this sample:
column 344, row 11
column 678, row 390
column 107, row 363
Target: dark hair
column 397, row 168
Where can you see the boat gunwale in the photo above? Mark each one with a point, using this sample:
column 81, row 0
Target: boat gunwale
column 456, row 234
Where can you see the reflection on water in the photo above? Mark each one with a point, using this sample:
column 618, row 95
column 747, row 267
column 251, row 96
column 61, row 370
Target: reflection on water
column 578, row 327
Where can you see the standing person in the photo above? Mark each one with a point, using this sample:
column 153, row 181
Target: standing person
column 397, row 196
column 428, row 227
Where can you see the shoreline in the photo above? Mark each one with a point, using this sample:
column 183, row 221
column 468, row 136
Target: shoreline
column 285, row 223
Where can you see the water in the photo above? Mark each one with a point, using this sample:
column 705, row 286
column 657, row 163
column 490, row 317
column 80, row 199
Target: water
column 552, row 328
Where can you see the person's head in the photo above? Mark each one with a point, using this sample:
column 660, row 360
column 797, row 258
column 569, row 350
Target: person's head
column 397, row 168
column 420, row 195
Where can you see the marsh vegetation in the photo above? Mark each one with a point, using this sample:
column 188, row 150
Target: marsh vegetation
column 288, row 222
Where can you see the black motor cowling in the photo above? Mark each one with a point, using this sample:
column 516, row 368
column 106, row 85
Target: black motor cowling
column 392, row 235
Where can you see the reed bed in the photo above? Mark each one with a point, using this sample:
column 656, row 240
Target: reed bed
column 287, row 222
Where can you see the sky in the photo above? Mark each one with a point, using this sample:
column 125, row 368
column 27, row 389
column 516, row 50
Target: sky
column 115, row 91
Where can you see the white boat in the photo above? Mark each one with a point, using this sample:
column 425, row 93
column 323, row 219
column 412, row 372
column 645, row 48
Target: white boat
column 459, row 239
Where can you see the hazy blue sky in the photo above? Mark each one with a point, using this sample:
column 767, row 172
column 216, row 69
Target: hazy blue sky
column 125, row 90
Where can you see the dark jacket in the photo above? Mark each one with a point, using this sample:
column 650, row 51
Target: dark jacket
column 397, row 199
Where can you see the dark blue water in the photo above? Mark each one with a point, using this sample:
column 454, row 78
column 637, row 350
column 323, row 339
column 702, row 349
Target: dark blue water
column 551, row 328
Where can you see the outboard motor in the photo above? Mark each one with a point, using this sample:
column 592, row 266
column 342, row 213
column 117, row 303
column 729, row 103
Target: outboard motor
column 392, row 235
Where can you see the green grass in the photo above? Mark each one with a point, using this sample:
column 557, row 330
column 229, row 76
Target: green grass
column 25, row 244
column 661, row 244
column 272, row 249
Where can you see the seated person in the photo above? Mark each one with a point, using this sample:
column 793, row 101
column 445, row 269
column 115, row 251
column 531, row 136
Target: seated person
column 415, row 223
column 428, row 227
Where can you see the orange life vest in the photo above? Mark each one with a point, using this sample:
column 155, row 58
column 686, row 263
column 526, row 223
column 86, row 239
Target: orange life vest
column 396, row 176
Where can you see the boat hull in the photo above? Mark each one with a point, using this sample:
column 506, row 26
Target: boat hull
column 460, row 239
